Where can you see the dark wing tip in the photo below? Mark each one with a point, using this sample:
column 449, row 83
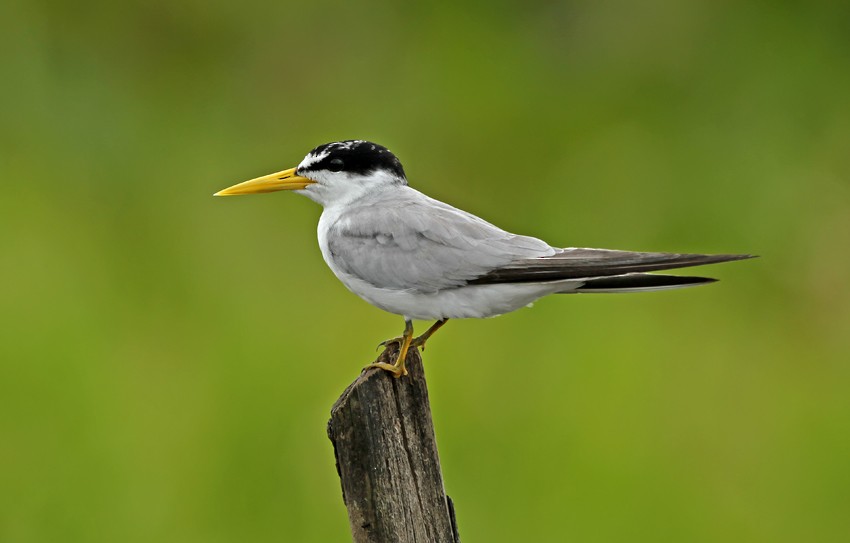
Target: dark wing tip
column 741, row 256
column 717, row 258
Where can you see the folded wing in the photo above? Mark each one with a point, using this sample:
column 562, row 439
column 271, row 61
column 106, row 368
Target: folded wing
column 407, row 241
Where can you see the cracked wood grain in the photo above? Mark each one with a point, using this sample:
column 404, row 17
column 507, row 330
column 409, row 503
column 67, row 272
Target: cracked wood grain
column 386, row 457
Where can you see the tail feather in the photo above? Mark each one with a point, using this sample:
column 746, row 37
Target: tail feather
column 577, row 263
column 639, row 282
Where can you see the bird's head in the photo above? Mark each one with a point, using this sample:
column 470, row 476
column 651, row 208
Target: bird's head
column 332, row 173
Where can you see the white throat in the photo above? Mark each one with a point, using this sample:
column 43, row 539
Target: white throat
column 339, row 188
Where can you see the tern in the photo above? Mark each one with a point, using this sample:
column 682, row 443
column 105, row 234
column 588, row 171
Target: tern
column 417, row 257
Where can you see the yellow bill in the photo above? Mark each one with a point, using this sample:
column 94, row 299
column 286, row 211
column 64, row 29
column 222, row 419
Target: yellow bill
column 285, row 180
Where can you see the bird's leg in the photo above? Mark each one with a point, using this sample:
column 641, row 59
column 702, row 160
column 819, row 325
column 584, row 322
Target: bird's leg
column 404, row 341
column 420, row 341
column 396, row 340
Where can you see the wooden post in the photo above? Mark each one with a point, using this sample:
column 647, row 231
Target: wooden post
column 386, row 457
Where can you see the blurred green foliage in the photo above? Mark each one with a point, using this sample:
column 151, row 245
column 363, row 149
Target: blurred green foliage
column 168, row 359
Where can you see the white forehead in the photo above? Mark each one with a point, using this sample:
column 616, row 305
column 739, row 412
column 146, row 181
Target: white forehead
column 311, row 159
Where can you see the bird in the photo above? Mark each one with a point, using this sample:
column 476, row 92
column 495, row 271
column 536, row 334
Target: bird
column 412, row 255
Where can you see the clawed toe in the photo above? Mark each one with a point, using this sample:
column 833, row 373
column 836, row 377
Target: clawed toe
column 396, row 369
column 393, row 341
column 404, row 343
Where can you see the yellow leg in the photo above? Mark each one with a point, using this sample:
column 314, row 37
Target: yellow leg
column 398, row 368
column 420, row 341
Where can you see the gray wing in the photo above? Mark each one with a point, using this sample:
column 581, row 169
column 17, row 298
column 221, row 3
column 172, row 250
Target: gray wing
column 578, row 263
column 409, row 241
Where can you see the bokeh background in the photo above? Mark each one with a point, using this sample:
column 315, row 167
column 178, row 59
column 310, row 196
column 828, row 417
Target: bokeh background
column 168, row 359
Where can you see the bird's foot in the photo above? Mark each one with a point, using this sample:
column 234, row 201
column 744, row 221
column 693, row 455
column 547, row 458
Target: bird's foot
column 392, row 341
column 415, row 342
column 393, row 347
column 419, row 342
column 399, row 344
column 396, row 369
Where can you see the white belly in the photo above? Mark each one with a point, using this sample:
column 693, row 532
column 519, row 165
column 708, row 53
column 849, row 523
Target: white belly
column 475, row 301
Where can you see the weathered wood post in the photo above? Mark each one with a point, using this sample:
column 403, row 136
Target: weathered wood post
column 386, row 457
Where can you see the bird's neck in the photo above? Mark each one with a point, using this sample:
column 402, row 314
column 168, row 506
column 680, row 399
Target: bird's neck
column 337, row 198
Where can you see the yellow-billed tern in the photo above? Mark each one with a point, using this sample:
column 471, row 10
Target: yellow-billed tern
column 420, row 258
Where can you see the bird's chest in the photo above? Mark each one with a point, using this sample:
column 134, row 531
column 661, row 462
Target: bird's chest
column 326, row 222
column 331, row 221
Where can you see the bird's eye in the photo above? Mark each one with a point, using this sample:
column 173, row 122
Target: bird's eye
column 336, row 165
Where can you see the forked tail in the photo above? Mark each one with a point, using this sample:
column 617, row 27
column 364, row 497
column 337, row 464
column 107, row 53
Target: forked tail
column 638, row 282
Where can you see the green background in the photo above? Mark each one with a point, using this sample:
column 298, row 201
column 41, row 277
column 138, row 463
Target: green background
column 168, row 359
